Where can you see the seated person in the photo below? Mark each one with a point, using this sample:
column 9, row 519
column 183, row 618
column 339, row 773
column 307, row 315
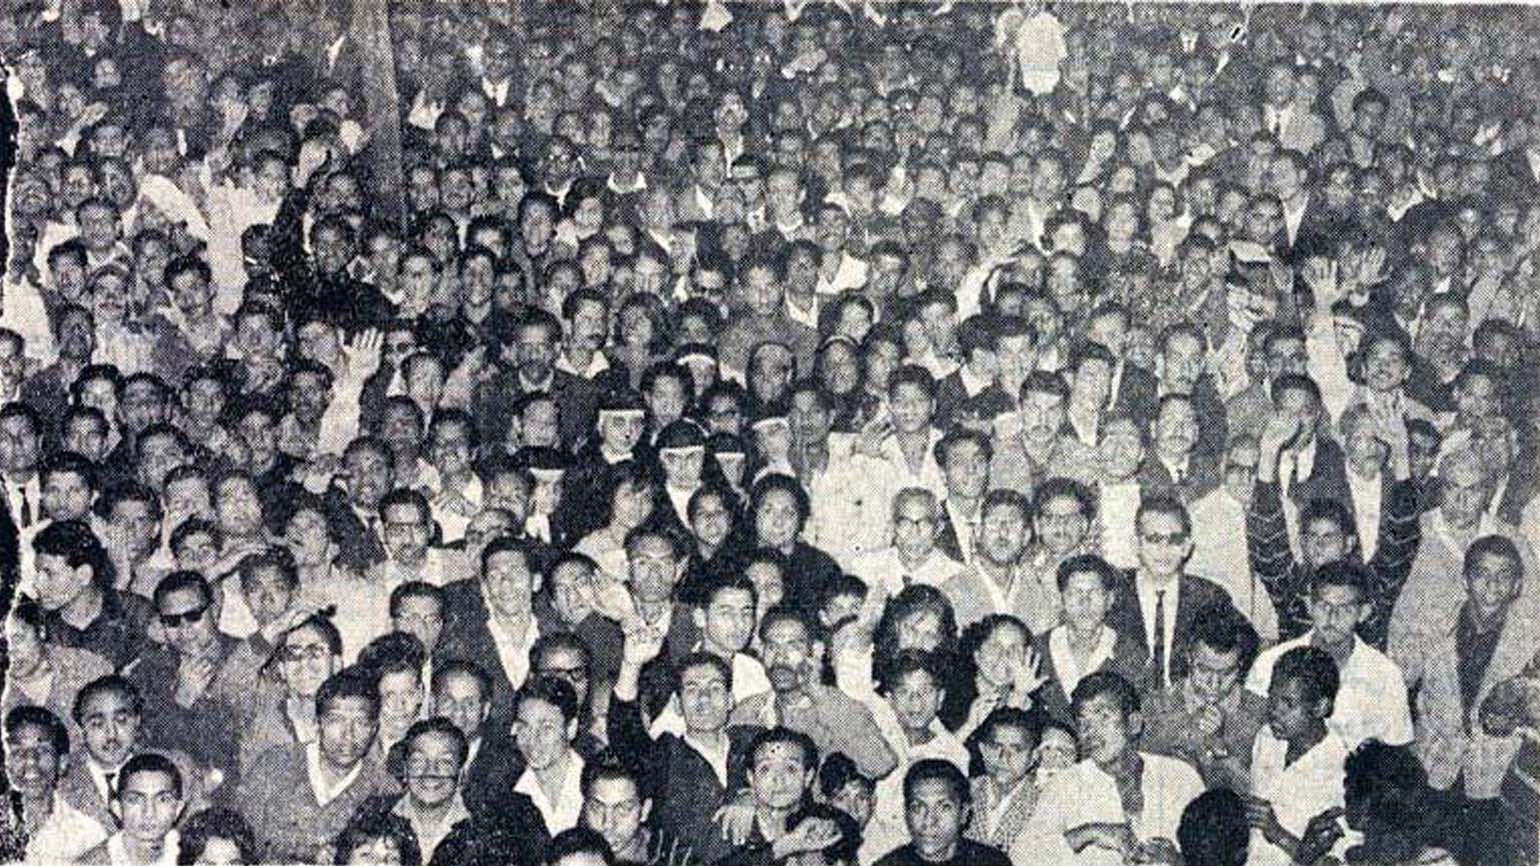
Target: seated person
column 217, row 836
column 1085, row 643
column 299, row 796
column 1207, row 718
column 1297, row 761
column 37, row 747
column 148, row 802
column 937, row 805
column 1006, row 792
column 1385, row 800
column 1085, row 816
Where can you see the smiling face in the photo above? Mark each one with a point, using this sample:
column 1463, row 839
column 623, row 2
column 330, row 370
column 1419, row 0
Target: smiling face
column 433, row 764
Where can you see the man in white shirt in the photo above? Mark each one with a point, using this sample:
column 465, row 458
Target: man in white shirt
column 1297, row 762
column 37, row 747
column 1118, row 803
column 1371, row 701
column 545, row 725
column 913, row 557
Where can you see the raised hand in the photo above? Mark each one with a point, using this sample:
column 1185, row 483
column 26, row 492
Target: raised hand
column 643, row 643
column 364, row 352
column 1280, row 430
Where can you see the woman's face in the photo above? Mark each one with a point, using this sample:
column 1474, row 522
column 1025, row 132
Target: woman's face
column 633, row 505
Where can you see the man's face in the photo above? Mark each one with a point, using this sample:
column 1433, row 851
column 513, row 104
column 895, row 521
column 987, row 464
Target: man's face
column 1465, row 492
column 1335, row 611
column 967, row 470
column 1106, row 733
column 32, row 764
column 459, row 699
column 1290, row 712
column 705, row 698
column 1062, row 524
column 369, row 477
column 1176, row 428
column 780, row 776
column 406, row 532
column 450, row 449
column 507, row 584
column 346, row 730
column 935, row 817
column 542, row 732
column 1182, row 363
column 1214, row 674
column 18, row 447
column 433, row 766
column 914, row 527
column 916, row 699
column 149, row 806
column 536, row 352
column 1164, row 543
column 66, row 496
column 1493, row 583
column 422, row 617
column 728, row 620
column 110, row 727
column 159, row 455
column 1002, row 535
column 134, row 518
column 1042, row 416
column 789, row 654
column 614, row 808
column 654, row 570
column 188, row 620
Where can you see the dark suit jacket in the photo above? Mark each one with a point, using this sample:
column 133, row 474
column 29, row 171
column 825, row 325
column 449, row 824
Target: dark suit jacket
column 1328, row 475
column 491, row 775
column 685, row 789
column 358, row 547
column 1192, row 595
column 1203, row 475
column 1136, row 396
column 578, row 399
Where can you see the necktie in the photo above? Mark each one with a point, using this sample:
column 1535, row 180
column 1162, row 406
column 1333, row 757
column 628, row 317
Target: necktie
column 1158, row 643
column 26, row 508
column 112, row 778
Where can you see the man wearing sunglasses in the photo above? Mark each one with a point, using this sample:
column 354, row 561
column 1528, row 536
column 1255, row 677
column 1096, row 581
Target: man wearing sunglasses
column 1158, row 600
column 199, row 696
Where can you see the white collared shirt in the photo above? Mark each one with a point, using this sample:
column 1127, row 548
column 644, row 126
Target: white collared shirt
column 1085, row 794
column 1068, row 670
column 563, row 812
column 1368, row 496
column 1298, row 791
column 716, row 758
column 1293, row 217
column 323, row 791
column 1371, row 700
column 514, row 656
column 851, row 274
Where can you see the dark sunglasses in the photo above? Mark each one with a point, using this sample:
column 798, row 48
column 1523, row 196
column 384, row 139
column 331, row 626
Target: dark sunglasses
column 191, row 617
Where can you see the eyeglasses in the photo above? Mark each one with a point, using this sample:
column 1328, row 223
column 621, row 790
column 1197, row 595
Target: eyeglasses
column 191, row 617
column 1172, row 539
column 312, row 652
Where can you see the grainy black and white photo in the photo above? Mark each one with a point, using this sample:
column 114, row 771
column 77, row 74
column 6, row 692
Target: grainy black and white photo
column 769, row 433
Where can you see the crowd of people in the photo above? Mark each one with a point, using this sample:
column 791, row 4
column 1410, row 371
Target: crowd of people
column 830, row 434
